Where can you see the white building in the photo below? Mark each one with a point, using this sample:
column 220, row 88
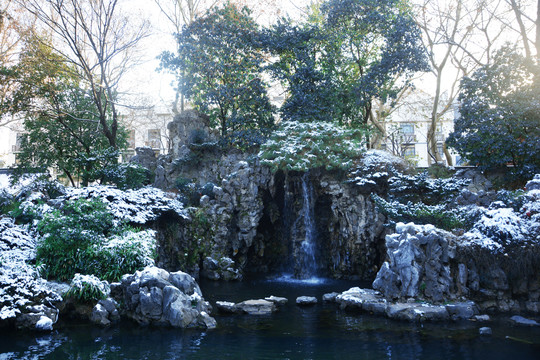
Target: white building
column 407, row 130
column 146, row 127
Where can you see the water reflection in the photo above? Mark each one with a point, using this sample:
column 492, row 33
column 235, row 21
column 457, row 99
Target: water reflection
column 318, row 332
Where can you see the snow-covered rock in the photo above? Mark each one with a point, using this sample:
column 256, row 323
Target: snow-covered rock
column 155, row 296
column 25, row 299
column 418, row 263
column 306, row 300
column 498, row 228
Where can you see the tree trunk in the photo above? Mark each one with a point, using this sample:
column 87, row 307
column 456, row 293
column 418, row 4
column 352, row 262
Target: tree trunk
column 448, row 156
column 537, row 40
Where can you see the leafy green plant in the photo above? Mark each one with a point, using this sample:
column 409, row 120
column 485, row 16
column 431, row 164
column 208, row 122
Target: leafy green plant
column 304, row 146
column 420, row 213
column 83, row 237
column 87, row 288
column 200, row 233
column 422, row 188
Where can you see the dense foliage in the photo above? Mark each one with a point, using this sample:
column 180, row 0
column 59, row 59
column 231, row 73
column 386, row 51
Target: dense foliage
column 499, row 119
column 348, row 54
column 61, row 126
column 304, row 146
column 87, row 288
column 219, row 66
column 424, row 200
column 83, row 237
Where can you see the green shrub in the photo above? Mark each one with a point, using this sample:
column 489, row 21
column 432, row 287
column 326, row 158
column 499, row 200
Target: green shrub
column 420, row 213
column 83, row 237
column 422, row 188
column 87, row 288
column 304, row 146
column 103, row 166
column 125, row 176
column 6, row 202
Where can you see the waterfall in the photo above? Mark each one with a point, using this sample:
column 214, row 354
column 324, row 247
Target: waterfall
column 306, row 264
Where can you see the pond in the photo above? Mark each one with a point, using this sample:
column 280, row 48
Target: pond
column 322, row 331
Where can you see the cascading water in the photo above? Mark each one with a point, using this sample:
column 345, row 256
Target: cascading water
column 306, row 264
column 299, row 232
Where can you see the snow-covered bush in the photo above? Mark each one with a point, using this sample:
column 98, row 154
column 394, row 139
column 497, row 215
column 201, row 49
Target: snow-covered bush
column 304, row 146
column 420, row 213
column 87, row 288
column 6, row 201
column 133, row 206
column 83, row 237
column 422, row 188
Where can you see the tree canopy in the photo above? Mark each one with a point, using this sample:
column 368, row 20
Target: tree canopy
column 221, row 73
column 499, row 120
column 347, row 55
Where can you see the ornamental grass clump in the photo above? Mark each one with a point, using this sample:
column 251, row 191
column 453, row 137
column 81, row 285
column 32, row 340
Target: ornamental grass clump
column 87, row 288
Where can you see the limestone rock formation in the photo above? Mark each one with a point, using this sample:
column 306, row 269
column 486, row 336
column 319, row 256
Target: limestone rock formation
column 418, row 263
column 155, row 296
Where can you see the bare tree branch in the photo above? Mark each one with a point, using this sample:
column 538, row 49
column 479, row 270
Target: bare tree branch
column 99, row 41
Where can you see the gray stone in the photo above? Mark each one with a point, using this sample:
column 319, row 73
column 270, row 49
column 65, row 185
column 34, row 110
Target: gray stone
column 417, row 312
column 227, row 307
column 256, row 307
column 145, row 157
column 368, row 300
column 277, row 300
column 109, row 304
column 485, row 331
column 520, row 320
column 306, row 300
column 164, row 303
column 463, row 310
column 185, row 282
column 180, row 313
column 482, row 318
column 151, row 302
column 100, row 316
column 330, row 297
column 156, row 278
column 418, row 263
column 205, row 321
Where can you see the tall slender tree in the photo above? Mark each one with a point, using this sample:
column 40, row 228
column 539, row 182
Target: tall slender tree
column 99, row 41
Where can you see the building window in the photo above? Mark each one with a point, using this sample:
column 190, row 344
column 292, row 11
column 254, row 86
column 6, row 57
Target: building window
column 407, row 133
column 440, row 150
column 18, row 143
column 407, row 129
column 131, row 139
column 154, row 138
column 409, row 151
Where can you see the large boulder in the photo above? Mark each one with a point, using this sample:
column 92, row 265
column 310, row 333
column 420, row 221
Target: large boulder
column 418, row 263
column 155, row 296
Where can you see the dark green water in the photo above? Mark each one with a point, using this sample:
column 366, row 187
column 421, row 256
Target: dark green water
column 319, row 332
